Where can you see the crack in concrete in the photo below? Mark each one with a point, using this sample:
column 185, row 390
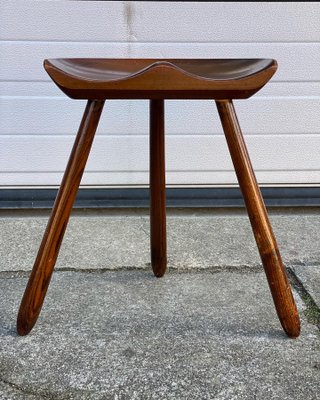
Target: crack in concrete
column 147, row 233
column 14, row 274
column 144, row 230
column 312, row 311
column 250, row 269
column 23, row 390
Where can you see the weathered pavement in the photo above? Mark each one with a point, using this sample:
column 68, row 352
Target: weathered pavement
column 206, row 330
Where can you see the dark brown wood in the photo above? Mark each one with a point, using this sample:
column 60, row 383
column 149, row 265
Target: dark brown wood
column 43, row 267
column 157, row 79
column 92, row 78
column 266, row 242
column 157, row 189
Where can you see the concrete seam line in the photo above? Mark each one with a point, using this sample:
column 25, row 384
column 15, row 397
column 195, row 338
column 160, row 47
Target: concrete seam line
column 312, row 312
column 22, row 390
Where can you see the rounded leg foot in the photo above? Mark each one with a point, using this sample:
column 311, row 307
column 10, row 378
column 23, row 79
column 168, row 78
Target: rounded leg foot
column 266, row 242
column 40, row 277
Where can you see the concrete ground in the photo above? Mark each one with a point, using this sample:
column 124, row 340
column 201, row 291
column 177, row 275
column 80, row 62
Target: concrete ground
column 206, row 330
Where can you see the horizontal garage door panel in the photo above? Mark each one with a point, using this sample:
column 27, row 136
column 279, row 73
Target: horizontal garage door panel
column 62, row 116
column 120, row 160
column 38, row 122
column 23, row 60
column 128, row 20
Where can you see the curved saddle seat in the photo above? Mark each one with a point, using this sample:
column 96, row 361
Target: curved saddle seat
column 97, row 79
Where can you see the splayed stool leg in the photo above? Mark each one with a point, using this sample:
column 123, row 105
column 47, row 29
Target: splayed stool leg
column 266, row 242
column 40, row 277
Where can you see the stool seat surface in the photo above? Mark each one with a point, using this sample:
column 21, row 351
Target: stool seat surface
column 99, row 78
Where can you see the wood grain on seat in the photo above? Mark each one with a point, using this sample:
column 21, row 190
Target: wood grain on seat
column 219, row 80
column 90, row 78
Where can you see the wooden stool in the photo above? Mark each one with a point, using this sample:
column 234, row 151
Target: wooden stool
column 99, row 79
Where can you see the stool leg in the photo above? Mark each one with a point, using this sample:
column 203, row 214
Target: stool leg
column 48, row 252
column 157, row 189
column 266, row 242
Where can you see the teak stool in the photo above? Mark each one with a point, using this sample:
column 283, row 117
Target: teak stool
column 218, row 79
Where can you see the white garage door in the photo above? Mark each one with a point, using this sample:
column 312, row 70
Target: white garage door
column 38, row 122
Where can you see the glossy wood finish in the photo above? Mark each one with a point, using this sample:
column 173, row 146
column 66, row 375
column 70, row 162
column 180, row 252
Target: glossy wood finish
column 43, row 267
column 158, row 240
column 266, row 242
column 100, row 79
column 92, row 78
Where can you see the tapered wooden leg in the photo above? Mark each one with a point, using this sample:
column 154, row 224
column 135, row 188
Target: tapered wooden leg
column 43, row 267
column 157, row 189
column 267, row 245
